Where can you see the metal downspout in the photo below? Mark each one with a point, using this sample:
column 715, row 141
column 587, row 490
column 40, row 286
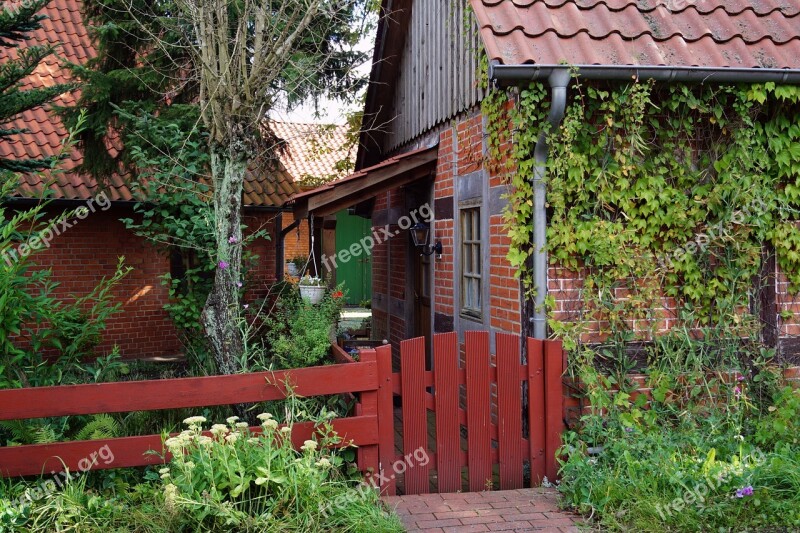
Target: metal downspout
column 558, row 81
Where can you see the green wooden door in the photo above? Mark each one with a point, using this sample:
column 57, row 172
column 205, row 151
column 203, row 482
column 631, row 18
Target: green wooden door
column 356, row 272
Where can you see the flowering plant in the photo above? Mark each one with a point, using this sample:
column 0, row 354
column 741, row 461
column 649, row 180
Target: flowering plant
column 238, row 479
column 310, row 281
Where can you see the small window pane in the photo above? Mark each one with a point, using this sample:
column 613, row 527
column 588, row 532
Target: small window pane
column 471, row 262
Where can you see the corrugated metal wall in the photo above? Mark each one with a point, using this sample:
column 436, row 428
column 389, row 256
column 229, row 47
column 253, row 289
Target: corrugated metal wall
column 438, row 70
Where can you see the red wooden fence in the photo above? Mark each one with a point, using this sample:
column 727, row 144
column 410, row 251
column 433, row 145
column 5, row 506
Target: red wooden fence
column 490, row 409
column 362, row 430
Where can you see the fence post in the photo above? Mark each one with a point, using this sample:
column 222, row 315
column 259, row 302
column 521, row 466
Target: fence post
column 554, row 404
column 370, row 463
column 385, row 420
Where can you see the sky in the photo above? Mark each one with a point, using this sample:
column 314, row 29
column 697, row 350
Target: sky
column 331, row 111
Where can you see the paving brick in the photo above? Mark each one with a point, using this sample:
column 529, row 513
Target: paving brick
column 438, row 523
column 552, row 522
column 510, row 525
column 466, row 529
column 482, row 520
column 455, row 514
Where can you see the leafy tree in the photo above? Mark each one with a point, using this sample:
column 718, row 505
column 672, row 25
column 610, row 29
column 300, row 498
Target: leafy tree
column 15, row 26
column 235, row 60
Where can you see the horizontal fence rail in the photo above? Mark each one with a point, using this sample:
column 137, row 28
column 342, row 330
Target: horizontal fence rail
column 511, row 413
column 359, row 378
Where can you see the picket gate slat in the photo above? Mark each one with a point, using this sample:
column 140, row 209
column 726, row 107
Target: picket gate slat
column 479, row 460
column 509, row 411
column 448, row 428
column 415, row 417
column 554, row 404
column 536, row 425
column 386, row 421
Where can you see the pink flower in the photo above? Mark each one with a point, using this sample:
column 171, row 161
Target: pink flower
column 223, row 265
column 246, row 306
column 737, row 392
column 233, row 240
column 740, row 378
column 746, row 491
column 239, row 284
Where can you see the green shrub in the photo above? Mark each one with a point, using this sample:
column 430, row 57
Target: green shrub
column 299, row 333
column 700, row 455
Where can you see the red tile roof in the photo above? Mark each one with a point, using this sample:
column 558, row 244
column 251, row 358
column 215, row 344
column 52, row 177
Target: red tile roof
column 315, row 150
column 702, row 33
column 64, row 28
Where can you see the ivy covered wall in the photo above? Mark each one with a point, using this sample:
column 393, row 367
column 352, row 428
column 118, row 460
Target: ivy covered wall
column 666, row 205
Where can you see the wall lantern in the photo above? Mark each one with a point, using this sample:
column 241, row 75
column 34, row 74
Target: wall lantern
column 420, row 233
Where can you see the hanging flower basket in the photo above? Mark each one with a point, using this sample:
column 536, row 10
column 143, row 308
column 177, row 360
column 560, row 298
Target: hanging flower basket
column 312, row 294
column 312, row 289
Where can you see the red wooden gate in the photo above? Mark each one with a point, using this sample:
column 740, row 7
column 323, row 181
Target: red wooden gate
column 481, row 393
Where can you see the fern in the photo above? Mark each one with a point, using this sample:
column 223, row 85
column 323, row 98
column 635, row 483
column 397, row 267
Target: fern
column 102, row 426
column 30, row 432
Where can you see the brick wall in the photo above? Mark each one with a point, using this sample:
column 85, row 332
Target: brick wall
column 88, row 251
column 296, row 242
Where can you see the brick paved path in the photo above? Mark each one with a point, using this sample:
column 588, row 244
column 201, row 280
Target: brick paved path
column 510, row 510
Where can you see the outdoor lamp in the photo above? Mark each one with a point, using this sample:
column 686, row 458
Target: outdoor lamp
column 420, row 233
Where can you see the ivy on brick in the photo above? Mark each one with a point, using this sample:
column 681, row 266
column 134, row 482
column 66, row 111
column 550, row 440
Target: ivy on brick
column 660, row 190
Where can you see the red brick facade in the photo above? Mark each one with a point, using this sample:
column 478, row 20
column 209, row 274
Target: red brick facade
column 462, row 159
column 89, row 250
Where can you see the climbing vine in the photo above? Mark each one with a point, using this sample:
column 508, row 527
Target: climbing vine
column 655, row 192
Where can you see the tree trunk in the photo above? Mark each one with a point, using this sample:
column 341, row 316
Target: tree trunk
column 222, row 312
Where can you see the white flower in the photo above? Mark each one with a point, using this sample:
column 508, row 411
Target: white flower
column 219, row 429
column 231, row 420
column 324, row 462
column 165, row 476
column 164, row 470
column 170, row 495
column 204, row 441
column 174, row 445
column 309, row 446
column 189, row 465
column 252, row 440
column 264, row 416
column 242, row 425
column 286, row 429
column 194, row 420
column 270, row 424
column 230, row 439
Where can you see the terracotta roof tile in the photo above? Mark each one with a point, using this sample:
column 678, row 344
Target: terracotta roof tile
column 64, row 28
column 315, row 150
column 703, row 33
